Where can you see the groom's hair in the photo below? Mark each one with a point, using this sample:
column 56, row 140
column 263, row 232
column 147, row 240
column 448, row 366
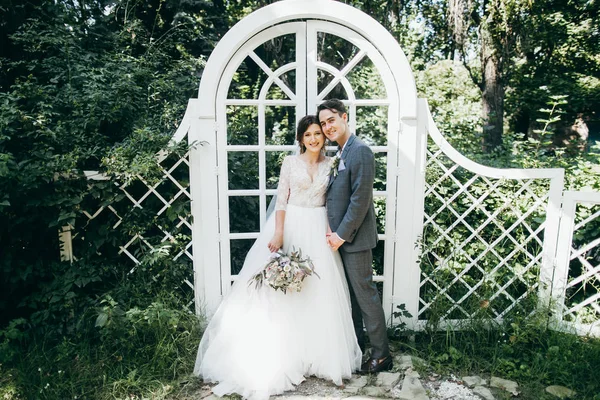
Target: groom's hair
column 333, row 105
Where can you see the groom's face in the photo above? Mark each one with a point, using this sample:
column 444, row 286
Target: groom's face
column 334, row 126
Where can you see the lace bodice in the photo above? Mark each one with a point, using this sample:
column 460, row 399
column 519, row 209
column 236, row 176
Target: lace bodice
column 297, row 188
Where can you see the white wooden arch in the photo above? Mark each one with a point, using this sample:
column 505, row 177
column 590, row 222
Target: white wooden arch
column 203, row 117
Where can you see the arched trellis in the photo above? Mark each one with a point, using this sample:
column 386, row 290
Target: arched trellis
column 204, row 126
column 421, row 166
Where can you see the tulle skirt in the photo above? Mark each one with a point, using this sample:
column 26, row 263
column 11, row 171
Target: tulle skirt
column 262, row 342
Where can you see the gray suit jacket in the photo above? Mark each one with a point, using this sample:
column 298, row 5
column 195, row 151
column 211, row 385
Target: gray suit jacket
column 350, row 198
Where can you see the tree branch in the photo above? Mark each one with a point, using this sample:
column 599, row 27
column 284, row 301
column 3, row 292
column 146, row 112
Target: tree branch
column 477, row 82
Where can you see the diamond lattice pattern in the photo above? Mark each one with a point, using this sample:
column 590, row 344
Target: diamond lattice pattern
column 582, row 300
column 482, row 242
column 143, row 220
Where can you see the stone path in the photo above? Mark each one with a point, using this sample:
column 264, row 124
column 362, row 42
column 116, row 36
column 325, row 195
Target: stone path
column 404, row 383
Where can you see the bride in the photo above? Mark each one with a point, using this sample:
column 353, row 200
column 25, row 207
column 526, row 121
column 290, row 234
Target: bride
column 262, row 342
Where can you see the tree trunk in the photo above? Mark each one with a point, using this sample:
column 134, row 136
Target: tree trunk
column 492, row 90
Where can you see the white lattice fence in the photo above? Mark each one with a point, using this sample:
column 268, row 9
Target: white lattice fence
column 142, row 220
column 489, row 236
column 576, row 286
column 482, row 241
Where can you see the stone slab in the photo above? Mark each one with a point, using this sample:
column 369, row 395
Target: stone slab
column 375, row 391
column 561, row 392
column 411, row 389
column 387, row 379
column 351, row 389
column 403, row 362
column 412, row 373
column 484, row 392
column 510, row 386
column 472, row 381
column 358, row 382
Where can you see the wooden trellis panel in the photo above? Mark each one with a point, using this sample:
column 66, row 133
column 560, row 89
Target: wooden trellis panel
column 165, row 206
column 489, row 236
column 576, row 286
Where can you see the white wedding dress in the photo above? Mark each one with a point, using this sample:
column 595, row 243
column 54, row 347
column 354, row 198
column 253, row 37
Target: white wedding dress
column 262, row 342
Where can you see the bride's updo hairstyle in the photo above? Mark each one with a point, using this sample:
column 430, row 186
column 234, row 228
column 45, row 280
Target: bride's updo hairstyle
column 303, row 125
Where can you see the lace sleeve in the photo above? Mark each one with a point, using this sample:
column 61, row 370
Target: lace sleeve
column 283, row 189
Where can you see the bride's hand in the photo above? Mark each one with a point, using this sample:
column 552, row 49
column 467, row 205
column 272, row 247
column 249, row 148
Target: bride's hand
column 276, row 242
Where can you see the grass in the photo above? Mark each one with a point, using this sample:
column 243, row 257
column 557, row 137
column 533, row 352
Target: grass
column 523, row 350
column 139, row 354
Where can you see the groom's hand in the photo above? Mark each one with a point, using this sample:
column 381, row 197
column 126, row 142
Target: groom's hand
column 334, row 241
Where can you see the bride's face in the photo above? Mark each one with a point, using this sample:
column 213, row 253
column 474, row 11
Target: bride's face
column 313, row 139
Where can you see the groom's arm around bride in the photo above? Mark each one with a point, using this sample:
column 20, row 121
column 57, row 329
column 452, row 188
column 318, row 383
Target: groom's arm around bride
column 351, row 217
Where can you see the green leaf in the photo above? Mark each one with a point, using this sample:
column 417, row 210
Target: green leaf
column 101, row 320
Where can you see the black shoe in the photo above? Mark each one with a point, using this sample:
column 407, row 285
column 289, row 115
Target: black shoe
column 374, row 365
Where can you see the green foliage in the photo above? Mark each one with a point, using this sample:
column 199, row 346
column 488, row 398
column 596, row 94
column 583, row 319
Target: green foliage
column 73, row 100
column 398, row 327
column 86, row 87
column 103, row 85
column 120, row 345
column 103, row 332
column 455, row 104
column 556, row 55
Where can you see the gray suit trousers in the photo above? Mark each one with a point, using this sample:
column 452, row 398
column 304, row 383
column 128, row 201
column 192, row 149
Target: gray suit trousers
column 366, row 305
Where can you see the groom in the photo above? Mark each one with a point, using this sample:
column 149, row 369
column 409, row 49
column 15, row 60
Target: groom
column 352, row 220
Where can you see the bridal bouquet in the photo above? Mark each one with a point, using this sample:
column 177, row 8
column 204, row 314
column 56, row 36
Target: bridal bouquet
column 284, row 272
